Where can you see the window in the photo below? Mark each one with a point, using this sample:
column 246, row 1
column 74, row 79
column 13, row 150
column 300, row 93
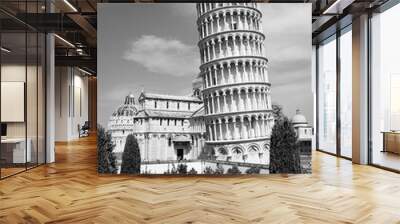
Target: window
column 188, row 106
column 327, row 95
column 167, row 104
column 169, row 141
column 178, row 105
column 160, row 121
column 175, row 122
column 346, row 75
column 385, row 89
column 155, row 104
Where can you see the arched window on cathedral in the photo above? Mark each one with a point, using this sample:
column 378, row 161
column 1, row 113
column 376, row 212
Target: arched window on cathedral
column 160, row 121
column 155, row 104
column 175, row 122
column 169, row 141
column 188, row 106
column 167, row 104
column 178, row 107
column 181, row 122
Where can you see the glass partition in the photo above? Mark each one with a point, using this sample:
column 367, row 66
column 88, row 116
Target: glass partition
column 13, row 105
column 22, row 101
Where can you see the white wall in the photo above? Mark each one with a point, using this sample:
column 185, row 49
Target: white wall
column 71, row 102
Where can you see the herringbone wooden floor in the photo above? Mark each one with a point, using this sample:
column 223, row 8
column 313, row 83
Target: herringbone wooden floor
column 70, row 191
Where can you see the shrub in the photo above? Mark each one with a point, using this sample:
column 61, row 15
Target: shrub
column 192, row 172
column 182, row 169
column 234, row 170
column 208, row 170
column 106, row 160
column 284, row 153
column 131, row 156
column 253, row 170
column 174, row 170
column 219, row 170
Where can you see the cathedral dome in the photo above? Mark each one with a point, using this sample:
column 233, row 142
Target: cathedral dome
column 299, row 118
column 128, row 108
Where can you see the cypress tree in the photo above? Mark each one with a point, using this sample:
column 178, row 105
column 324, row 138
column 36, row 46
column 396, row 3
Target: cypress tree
column 131, row 156
column 284, row 153
column 106, row 160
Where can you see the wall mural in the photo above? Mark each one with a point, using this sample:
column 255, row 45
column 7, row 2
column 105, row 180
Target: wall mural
column 189, row 89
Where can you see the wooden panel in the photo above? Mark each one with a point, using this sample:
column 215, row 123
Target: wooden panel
column 392, row 142
column 92, row 101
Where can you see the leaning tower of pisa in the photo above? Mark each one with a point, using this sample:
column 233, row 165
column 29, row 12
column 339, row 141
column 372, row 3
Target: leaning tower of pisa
column 236, row 87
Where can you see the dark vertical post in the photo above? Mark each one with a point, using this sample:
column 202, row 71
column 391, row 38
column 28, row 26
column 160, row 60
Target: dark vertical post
column 0, row 90
column 369, row 96
column 338, row 73
column 317, row 97
column 26, row 86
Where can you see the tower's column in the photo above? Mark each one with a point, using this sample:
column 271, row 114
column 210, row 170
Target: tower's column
column 211, row 25
column 220, row 52
column 223, row 80
column 209, row 131
column 214, row 124
column 235, row 129
column 206, row 27
column 218, row 110
column 220, row 129
column 226, row 108
column 217, row 21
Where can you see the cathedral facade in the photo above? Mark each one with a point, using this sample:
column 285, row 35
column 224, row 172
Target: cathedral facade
column 167, row 127
column 229, row 116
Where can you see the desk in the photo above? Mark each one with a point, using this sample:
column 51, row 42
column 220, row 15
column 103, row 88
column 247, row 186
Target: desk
column 391, row 142
column 13, row 150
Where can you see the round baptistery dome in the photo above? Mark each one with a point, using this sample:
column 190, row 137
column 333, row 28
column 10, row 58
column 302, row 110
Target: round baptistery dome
column 299, row 119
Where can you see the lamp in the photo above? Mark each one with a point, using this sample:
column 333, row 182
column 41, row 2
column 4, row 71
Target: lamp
column 64, row 40
column 70, row 5
column 5, row 50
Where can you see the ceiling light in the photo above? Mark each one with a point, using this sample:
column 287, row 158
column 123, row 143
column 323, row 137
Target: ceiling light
column 5, row 50
column 70, row 5
column 64, row 40
column 84, row 71
column 337, row 7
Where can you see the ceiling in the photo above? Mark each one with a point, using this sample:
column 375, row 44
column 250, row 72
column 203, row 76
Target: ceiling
column 75, row 22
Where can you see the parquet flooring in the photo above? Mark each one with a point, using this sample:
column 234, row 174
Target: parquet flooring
column 71, row 191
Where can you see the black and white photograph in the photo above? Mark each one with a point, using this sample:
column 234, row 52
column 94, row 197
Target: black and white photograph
column 222, row 88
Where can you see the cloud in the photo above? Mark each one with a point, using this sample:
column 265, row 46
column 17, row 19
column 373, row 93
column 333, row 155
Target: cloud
column 164, row 56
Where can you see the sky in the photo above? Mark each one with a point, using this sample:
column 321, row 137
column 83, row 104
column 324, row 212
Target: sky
column 153, row 47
